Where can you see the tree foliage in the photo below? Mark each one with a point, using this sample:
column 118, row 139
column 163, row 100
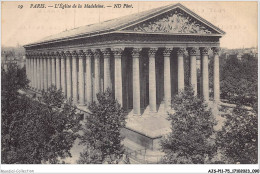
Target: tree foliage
column 239, row 81
column 35, row 130
column 102, row 131
column 238, row 138
column 190, row 141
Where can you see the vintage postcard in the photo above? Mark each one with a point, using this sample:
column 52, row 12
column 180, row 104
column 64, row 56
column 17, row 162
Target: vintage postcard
column 129, row 82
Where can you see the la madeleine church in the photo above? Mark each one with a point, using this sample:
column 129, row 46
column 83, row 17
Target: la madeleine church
column 140, row 57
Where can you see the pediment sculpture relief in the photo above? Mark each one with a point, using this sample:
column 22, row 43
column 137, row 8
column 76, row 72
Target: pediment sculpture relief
column 176, row 21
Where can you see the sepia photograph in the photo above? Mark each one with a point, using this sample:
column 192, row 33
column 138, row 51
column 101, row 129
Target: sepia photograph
column 130, row 82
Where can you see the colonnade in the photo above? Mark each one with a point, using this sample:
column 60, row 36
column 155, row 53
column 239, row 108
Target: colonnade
column 72, row 72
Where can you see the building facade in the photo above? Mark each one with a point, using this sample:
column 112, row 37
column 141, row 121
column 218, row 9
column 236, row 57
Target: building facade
column 139, row 57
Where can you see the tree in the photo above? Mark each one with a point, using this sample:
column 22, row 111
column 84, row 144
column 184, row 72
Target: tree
column 35, row 130
column 238, row 138
column 102, row 131
column 13, row 79
column 239, row 81
column 191, row 140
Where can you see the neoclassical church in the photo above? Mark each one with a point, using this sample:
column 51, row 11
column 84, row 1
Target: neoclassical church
column 140, row 57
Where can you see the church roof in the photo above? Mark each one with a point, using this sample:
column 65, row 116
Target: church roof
column 119, row 25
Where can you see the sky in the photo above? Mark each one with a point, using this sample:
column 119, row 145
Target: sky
column 22, row 24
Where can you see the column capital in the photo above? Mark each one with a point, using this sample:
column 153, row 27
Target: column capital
column 117, row 51
column 204, row 51
column 96, row 52
column 81, row 54
column 52, row 54
column 88, row 53
column 106, row 52
column 193, row 51
column 152, row 51
column 56, row 54
column 27, row 55
column 61, row 54
column 67, row 54
column 45, row 55
column 136, row 52
column 32, row 55
column 181, row 51
column 167, row 51
column 216, row 50
column 48, row 54
column 74, row 54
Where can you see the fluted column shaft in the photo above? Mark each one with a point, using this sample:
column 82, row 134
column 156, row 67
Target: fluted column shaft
column 49, row 70
column 97, row 73
column 74, row 77
column 32, row 66
column 38, row 74
column 53, row 71
column 63, row 73
column 68, row 74
column 136, row 81
column 193, row 69
column 35, row 72
column 180, row 54
column 107, row 73
column 58, row 83
column 32, row 71
column 205, row 74
column 45, row 72
column 216, row 84
column 42, row 71
column 88, row 78
column 29, row 70
column 81, row 78
column 167, row 78
column 118, row 75
column 27, row 65
column 152, row 80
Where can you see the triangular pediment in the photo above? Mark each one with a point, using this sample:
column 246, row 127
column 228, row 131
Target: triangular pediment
column 175, row 21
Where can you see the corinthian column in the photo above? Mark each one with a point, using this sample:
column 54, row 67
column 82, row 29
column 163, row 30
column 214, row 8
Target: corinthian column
column 118, row 75
column 81, row 78
column 42, row 70
column 27, row 65
column 38, row 73
column 34, row 72
column 152, row 80
column 30, row 69
column 97, row 73
column 136, row 81
column 216, row 74
column 45, row 71
column 167, row 78
column 49, row 69
column 107, row 73
column 88, row 79
column 205, row 73
column 53, row 71
column 193, row 69
column 180, row 54
column 74, row 77
column 63, row 73
column 58, row 84
column 68, row 74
